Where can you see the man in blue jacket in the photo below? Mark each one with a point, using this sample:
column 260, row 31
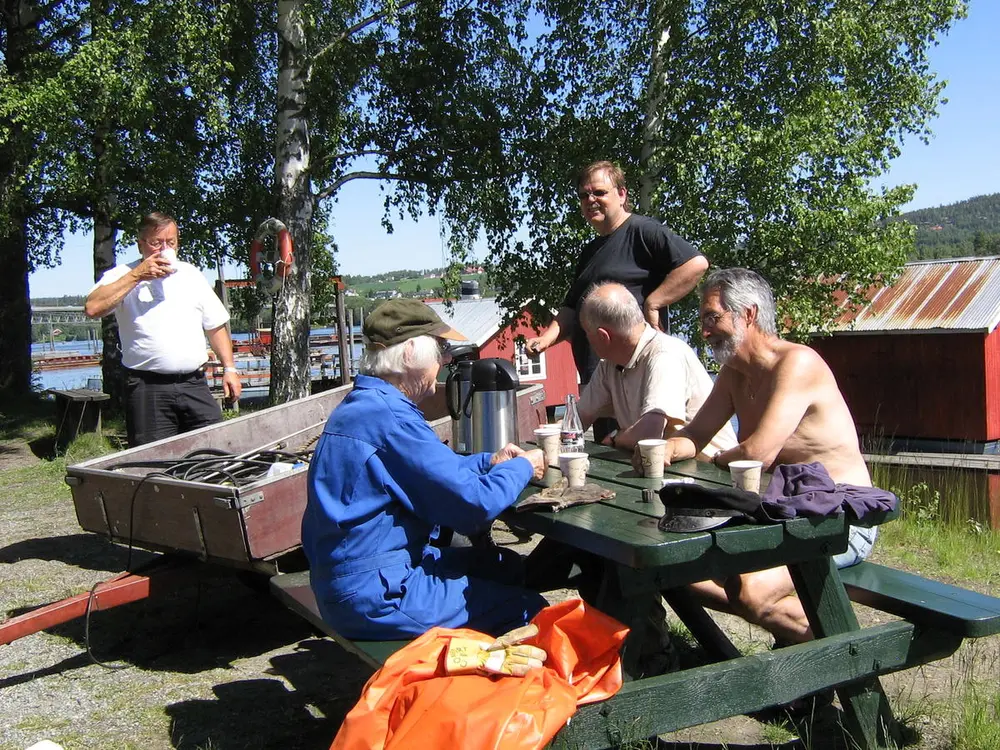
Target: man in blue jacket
column 381, row 484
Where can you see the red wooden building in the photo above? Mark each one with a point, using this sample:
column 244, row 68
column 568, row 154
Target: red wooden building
column 479, row 321
column 920, row 363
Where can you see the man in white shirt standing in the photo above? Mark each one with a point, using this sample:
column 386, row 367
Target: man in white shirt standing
column 651, row 383
column 165, row 308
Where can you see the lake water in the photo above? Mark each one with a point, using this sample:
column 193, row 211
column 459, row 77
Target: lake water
column 77, row 377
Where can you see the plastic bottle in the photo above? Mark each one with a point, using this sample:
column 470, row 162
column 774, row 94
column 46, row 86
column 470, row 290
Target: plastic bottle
column 571, row 432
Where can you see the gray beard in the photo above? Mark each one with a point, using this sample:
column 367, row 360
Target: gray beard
column 726, row 350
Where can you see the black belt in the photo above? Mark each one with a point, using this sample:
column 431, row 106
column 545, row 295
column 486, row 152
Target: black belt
column 148, row 376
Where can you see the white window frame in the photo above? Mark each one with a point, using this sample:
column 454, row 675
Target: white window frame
column 523, row 360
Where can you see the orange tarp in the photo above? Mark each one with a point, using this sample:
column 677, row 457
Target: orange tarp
column 410, row 702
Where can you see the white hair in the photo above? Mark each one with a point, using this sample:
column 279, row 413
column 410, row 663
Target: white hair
column 741, row 289
column 391, row 362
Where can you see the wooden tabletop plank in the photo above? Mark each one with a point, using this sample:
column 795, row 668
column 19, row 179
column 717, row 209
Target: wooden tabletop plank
column 79, row 394
column 624, row 529
column 691, row 468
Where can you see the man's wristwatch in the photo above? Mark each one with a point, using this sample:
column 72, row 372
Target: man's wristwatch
column 715, row 459
column 229, row 369
column 614, row 439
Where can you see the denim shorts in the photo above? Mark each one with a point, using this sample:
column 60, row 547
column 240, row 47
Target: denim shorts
column 859, row 545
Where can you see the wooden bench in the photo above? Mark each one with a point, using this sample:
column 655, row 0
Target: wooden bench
column 73, row 415
column 293, row 590
column 923, row 601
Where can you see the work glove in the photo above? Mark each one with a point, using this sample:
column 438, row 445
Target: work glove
column 505, row 656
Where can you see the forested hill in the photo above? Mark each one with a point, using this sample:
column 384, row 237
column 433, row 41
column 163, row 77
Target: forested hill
column 970, row 227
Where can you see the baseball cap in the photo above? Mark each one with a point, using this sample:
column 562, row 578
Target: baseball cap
column 397, row 320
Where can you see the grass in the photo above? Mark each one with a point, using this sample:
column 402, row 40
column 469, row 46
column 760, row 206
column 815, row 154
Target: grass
column 935, row 532
column 777, row 734
column 25, row 418
column 978, row 723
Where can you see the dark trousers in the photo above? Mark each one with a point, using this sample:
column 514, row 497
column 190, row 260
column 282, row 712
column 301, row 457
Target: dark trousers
column 159, row 406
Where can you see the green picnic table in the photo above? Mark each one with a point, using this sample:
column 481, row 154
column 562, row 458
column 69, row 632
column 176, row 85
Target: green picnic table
column 641, row 563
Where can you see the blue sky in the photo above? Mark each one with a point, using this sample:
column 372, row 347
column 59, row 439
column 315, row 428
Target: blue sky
column 962, row 160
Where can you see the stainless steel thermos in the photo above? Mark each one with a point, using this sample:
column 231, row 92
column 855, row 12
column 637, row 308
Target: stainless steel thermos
column 482, row 402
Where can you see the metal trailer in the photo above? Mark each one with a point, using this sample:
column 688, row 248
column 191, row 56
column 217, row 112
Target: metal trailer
column 253, row 528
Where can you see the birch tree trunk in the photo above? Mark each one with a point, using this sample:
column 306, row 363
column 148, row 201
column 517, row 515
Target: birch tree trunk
column 652, row 126
column 290, row 376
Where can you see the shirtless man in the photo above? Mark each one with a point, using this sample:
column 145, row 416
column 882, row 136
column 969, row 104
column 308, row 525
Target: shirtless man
column 790, row 411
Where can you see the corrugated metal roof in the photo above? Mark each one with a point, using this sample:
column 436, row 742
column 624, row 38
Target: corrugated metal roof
column 476, row 319
column 956, row 294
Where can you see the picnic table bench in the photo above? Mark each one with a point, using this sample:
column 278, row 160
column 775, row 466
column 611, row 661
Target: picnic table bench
column 641, row 563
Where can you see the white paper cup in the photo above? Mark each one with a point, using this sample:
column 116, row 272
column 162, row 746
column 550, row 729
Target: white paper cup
column 170, row 255
column 547, row 438
column 574, row 467
column 746, row 475
column 652, row 453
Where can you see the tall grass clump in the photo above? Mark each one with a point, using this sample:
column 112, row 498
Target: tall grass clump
column 978, row 723
column 944, row 526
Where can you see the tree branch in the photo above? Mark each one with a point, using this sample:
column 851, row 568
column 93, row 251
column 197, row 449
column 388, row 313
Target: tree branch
column 423, row 179
column 360, row 26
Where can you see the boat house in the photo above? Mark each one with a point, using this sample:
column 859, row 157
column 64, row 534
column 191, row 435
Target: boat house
column 919, row 364
column 479, row 320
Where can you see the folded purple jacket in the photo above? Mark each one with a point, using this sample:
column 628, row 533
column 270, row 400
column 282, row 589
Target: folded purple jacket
column 807, row 490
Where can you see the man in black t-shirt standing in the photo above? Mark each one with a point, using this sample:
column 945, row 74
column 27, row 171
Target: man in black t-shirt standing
column 653, row 263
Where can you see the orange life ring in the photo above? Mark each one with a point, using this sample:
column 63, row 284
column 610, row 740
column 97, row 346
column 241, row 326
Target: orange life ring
column 283, row 258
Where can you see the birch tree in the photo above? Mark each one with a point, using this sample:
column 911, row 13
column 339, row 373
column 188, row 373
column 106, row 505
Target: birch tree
column 430, row 99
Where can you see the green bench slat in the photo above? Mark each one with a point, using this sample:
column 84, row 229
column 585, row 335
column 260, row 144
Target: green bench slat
column 923, row 601
column 293, row 590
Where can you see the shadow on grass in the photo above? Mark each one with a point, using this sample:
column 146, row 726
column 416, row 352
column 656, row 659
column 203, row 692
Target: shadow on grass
column 87, row 551
column 44, row 447
column 325, row 682
column 204, row 621
column 21, row 415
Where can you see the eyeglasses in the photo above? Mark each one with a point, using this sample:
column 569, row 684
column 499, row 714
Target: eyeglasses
column 156, row 244
column 585, row 194
column 712, row 319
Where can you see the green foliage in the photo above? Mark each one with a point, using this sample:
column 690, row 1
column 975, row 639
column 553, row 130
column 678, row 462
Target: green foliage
column 919, row 503
column 773, row 120
column 124, row 114
column 40, row 332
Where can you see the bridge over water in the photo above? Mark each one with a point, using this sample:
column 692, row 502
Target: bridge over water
column 61, row 314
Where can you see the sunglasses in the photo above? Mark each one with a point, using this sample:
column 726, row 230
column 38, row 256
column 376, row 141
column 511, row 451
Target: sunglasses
column 585, row 194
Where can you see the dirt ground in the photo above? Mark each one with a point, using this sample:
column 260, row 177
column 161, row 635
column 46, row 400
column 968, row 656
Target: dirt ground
column 216, row 664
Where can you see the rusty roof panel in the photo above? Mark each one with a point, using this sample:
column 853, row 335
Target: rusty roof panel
column 959, row 294
column 850, row 313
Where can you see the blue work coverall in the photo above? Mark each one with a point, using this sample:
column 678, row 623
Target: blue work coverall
column 380, row 485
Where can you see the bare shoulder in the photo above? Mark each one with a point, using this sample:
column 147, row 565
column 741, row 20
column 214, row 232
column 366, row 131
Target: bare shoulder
column 798, row 360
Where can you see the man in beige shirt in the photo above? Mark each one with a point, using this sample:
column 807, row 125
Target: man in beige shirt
column 790, row 411
column 651, row 383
